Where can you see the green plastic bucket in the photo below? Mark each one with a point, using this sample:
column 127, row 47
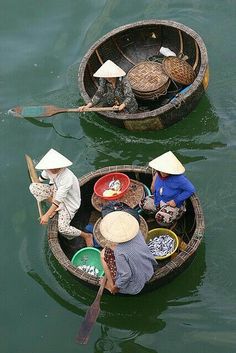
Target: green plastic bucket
column 88, row 256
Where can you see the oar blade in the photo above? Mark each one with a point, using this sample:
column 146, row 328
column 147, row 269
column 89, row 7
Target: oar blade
column 91, row 316
column 35, row 111
column 31, row 169
column 88, row 323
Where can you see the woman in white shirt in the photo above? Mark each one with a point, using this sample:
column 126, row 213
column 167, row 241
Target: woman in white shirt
column 63, row 191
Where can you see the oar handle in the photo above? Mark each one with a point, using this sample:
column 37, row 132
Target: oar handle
column 93, row 109
column 101, row 288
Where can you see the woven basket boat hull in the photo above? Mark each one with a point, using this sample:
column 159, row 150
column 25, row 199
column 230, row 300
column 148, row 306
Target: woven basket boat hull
column 191, row 227
column 131, row 44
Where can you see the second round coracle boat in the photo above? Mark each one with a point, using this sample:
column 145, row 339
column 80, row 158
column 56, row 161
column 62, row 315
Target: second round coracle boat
column 166, row 63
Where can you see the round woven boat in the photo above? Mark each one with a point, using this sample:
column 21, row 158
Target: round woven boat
column 141, row 41
column 103, row 242
column 179, row 70
column 148, row 80
column 193, row 219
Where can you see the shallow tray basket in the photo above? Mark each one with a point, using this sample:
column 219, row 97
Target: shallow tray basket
column 148, row 80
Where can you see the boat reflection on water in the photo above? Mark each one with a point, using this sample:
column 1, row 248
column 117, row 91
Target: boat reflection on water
column 200, row 131
column 109, row 342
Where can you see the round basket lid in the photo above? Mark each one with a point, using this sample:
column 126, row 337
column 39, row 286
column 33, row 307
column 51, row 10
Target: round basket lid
column 178, row 70
column 147, row 76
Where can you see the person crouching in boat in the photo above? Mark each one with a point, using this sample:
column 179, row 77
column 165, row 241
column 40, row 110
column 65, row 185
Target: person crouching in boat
column 127, row 261
column 170, row 188
column 114, row 89
column 63, row 192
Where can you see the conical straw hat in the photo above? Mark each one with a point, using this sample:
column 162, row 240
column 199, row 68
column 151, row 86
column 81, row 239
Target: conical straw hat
column 119, row 227
column 53, row 160
column 109, row 69
column 167, row 163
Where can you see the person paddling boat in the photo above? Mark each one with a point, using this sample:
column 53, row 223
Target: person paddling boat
column 114, row 89
column 63, row 193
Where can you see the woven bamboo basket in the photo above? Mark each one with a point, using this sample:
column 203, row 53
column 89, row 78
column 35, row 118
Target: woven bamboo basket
column 179, row 70
column 193, row 235
column 148, row 80
column 132, row 197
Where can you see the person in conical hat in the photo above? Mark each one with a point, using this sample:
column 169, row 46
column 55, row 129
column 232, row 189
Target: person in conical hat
column 63, row 194
column 110, row 70
column 53, row 160
column 170, row 188
column 114, row 89
column 127, row 261
column 167, row 163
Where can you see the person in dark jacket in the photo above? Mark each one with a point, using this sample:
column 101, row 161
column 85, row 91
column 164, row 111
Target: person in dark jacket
column 114, row 89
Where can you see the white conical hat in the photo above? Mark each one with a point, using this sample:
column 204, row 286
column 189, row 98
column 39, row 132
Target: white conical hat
column 53, row 160
column 167, row 163
column 109, row 69
column 119, row 227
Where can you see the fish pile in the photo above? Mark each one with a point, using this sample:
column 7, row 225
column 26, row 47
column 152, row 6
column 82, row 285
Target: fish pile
column 162, row 245
column 91, row 270
column 114, row 188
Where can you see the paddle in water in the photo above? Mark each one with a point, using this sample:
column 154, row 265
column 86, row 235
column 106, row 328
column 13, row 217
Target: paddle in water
column 49, row 110
column 91, row 316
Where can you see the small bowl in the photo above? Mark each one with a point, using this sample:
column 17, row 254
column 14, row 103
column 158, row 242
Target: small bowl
column 88, row 256
column 102, row 184
column 157, row 232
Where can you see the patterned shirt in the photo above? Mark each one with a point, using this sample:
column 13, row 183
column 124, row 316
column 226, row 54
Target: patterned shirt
column 67, row 189
column 106, row 95
column 135, row 265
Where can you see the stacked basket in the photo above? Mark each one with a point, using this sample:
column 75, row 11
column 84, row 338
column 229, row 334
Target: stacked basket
column 148, row 80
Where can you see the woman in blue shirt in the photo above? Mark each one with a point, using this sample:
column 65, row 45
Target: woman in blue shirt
column 170, row 188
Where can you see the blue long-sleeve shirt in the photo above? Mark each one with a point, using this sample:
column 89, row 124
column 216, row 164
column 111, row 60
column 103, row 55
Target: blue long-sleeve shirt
column 174, row 187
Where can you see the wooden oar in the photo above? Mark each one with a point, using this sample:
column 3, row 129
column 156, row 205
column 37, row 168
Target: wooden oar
column 91, row 316
column 34, row 178
column 49, row 110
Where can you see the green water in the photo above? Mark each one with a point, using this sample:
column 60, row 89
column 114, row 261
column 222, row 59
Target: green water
column 41, row 306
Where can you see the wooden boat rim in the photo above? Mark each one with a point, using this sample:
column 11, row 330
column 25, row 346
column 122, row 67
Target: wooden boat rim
column 165, row 108
column 171, row 266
